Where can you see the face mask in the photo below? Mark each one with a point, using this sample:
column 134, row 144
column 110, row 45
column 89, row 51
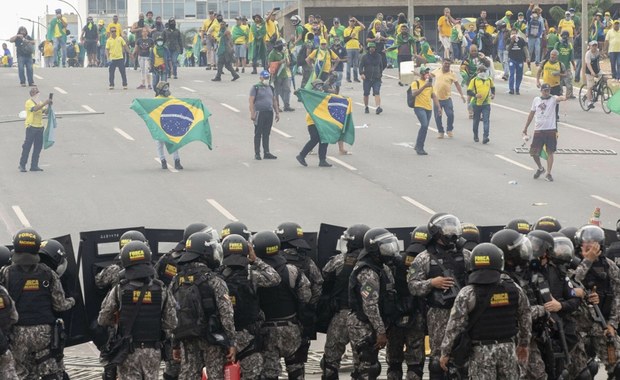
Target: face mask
column 172, row 25
column 158, row 22
column 160, row 43
column 483, row 75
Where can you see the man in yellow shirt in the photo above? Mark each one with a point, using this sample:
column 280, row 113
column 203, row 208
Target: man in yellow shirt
column 57, row 32
column 424, row 97
column 322, row 60
column 114, row 48
column 271, row 27
column 444, row 78
column 482, row 91
column 612, row 47
column 114, row 24
column 34, row 131
column 210, row 30
column 352, row 44
column 552, row 71
column 567, row 24
column 444, row 26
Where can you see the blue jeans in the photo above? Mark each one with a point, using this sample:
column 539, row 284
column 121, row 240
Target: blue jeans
column 533, row 44
column 424, row 117
column 614, row 58
column 102, row 58
column 578, row 70
column 120, row 63
column 516, row 75
column 159, row 76
column 456, row 50
column 24, row 63
column 58, row 44
column 175, row 63
column 503, row 57
column 353, row 56
column 448, row 109
column 485, row 110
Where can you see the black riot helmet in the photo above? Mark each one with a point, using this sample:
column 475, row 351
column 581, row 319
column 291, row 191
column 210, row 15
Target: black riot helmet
column 136, row 260
column 236, row 228
column 291, row 235
column 590, row 234
column 516, row 247
column 547, row 223
column 445, row 229
column 5, row 256
column 265, row 244
column 53, row 255
column 563, row 249
column 487, row 262
column 419, row 240
column 354, row 237
column 381, row 242
column 131, row 235
column 470, row 236
column 542, row 243
column 236, row 250
column 570, row 232
column 203, row 245
column 522, row 226
column 26, row 240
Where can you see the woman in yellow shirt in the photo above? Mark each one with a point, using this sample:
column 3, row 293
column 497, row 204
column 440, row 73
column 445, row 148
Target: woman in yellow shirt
column 424, row 97
column 48, row 53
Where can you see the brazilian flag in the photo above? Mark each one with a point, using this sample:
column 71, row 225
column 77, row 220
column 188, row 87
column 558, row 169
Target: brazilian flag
column 331, row 114
column 614, row 103
column 175, row 121
column 49, row 135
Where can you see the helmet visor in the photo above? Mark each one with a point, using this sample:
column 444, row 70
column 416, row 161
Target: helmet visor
column 523, row 248
column 388, row 244
column 591, row 234
column 539, row 246
column 563, row 249
column 449, row 225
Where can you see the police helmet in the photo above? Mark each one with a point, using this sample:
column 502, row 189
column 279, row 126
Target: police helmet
column 136, row 260
column 487, row 262
column 563, row 249
column 590, row 234
column 26, row 240
column 53, row 255
column 354, row 237
column 199, row 244
column 522, row 226
column 445, row 228
column 295, row 20
column 470, row 236
column 291, row 234
column 236, row 250
column 265, row 244
column 131, row 235
column 189, row 230
column 419, row 240
column 516, row 247
column 382, row 242
column 569, row 232
column 547, row 223
column 618, row 229
column 542, row 242
column 5, row 256
column 236, row 228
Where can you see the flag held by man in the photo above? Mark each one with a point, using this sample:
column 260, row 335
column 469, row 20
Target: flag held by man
column 49, row 135
column 175, row 121
column 331, row 114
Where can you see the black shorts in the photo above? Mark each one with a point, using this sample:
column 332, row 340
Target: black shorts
column 374, row 85
column 541, row 138
column 91, row 47
column 556, row 90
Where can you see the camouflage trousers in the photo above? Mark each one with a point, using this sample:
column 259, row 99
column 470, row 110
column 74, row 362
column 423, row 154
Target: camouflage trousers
column 406, row 344
column 29, row 344
column 7, row 366
column 535, row 369
column 599, row 342
column 173, row 369
column 143, row 363
column 436, row 319
column 336, row 342
column 196, row 354
column 281, row 342
column 363, row 338
column 494, row 361
column 578, row 357
column 251, row 365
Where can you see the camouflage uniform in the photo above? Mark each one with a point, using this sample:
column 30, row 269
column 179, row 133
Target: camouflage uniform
column 109, row 276
column 413, row 339
column 142, row 363
column 7, row 363
column 492, row 361
column 32, row 343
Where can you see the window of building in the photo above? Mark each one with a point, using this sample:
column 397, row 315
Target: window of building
column 168, row 12
column 201, row 10
column 234, row 9
column 179, row 9
column 245, row 8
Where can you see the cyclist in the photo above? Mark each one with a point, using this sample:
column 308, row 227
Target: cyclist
column 593, row 70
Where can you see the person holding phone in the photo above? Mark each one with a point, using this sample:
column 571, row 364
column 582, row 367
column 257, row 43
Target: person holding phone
column 24, row 45
column 34, row 130
column 424, row 98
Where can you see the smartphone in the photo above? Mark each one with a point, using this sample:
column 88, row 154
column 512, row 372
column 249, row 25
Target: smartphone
column 51, row 95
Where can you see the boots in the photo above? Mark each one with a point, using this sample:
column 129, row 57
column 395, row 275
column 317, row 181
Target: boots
column 177, row 164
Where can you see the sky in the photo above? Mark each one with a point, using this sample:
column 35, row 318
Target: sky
column 12, row 10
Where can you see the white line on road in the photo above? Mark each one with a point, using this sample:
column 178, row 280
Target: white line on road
column 276, row 130
column 38, row 76
column 605, row 201
column 87, row 108
column 60, row 90
column 222, row 210
column 170, row 167
column 198, row 81
column 20, row 215
column 342, row 163
column 362, row 104
column 514, row 162
column 390, row 76
column 418, row 205
column 124, row 134
column 188, row 89
column 230, row 107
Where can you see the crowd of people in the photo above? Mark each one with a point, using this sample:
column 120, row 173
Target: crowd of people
column 538, row 301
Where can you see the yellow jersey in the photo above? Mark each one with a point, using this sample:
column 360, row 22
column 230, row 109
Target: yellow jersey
column 354, row 34
column 211, row 27
column 117, row 26
column 320, row 57
column 115, row 47
column 425, row 98
column 551, row 73
column 566, row 25
column 33, row 118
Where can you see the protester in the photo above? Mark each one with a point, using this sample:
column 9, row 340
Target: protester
column 442, row 87
column 552, row 71
column 143, row 52
column 240, row 35
column 89, row 38
column 225, row 53
column 371, row 67
column 422, row 93
column 114, row 49
column 35, row 108
column 57, row 32
column 518, row 54
column 209, row 31
column 162, row 90
column 593, row 69
column 482, row 91
column 279, row 68
column 352, row 43
column 174, row 42
column 612, row 48
column 565, row 56
column 317, row 85
column 444, row 26
column 263, row 105
column 24, row 45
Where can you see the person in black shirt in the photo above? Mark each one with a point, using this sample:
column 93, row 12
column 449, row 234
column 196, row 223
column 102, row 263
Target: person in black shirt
column 371, row 67
column 143, row 52
column 24, row 45
column 517, row 55
column 89, row 38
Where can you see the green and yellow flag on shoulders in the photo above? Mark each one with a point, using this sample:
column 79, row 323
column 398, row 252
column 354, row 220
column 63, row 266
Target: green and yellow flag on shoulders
column 175, row 121
column 332, row 115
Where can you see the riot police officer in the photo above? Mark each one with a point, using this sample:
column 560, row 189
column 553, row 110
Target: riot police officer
column 280, row 304
column 494, row 311
column 522, row 226
column 613, row 251
column 205, row 335
column 110, row 275
column 8, row 317
column 244, row 273
column 372, row 299
column 470, row 236
column 145, row 310
column 335, row 299
column 547, row 223
column 5, row 256
column 38, row 294
column 236, row 228
column 437, row 274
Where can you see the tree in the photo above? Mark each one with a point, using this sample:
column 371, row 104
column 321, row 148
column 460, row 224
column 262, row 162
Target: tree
column 557, row 12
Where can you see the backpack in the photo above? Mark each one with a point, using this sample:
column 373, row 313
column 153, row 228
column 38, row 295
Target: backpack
column 192, row 321
column 410, row 97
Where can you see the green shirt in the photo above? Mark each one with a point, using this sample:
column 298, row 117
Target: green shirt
column 552, row 39
column 275, row 56
column 299, row 31
column 565, row 54
column 338, row 32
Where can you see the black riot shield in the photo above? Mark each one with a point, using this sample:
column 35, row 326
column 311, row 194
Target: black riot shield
column 162, row 241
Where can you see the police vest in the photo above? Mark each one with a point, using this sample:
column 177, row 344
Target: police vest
column 166, row 268
column 548, row 69
column 408, row 305
column 279, row 302
column 243, row 297
column 5, row 310
column 300, row 261
column 147, row 325
column 598, row 276
column 499, row 319
column 340, row 291
column 32, row 294
column 451, row 261
column 387, row 295
column 196, row 302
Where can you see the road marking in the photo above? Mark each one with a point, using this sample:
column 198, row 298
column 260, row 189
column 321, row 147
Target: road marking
column 20, row 215
column 230, row 107
column 60, row 90
column 390, row 76
column 188, row 89
column 514, row 162
column 198, row 81
column 124, row 134
column 605, row 201
column 222, row 210
column 38, row 76
column 87, row 108
column 362, row 104
column 276, row 130
column 342, row 163
column 418, row 205
column 170, row 167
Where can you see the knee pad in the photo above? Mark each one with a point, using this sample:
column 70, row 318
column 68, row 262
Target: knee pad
column 296, row 374
column 170, row 377
column 615, row 373
column 372, row 373
column 417, row 370
column 395, row 371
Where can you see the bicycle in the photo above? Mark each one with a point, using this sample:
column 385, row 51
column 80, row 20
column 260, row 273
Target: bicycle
column 600, row 89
